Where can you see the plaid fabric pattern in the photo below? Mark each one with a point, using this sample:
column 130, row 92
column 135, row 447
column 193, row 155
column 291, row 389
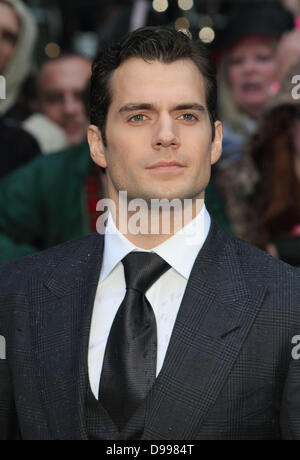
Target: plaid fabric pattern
column 229, row 373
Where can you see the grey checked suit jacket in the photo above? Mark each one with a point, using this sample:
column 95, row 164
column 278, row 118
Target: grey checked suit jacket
column 231, row 369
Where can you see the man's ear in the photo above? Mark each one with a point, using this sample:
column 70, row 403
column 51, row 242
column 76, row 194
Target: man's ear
column 96, row 146
column 216, row 150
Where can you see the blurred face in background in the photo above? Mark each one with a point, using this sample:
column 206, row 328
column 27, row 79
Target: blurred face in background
column 252, row 70
column 60, row 90
column 9, row 34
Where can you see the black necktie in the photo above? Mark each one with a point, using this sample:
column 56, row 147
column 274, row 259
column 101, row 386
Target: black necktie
column 129, row 366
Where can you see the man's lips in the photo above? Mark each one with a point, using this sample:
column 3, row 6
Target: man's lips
column 166, row 166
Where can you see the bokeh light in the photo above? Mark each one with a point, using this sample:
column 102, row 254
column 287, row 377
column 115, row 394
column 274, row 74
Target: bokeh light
column 207, row 35
column 52, row 50
column 182, row 23
column 160, row 5
column 186, row 4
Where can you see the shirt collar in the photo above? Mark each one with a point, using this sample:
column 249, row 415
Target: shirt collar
column 180, row 251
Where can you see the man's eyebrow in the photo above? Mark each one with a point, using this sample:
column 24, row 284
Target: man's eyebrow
column 191, row 106
column 134, row 107
column 147, row 106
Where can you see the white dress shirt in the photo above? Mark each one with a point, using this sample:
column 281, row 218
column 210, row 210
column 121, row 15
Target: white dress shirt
column 165, row 295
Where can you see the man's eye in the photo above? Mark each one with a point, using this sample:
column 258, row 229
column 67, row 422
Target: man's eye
column 188, row 117
column 137, row 118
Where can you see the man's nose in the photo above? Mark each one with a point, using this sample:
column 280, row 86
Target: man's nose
column 166, row 134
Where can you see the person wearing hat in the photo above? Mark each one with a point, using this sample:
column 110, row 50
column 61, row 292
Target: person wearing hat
column 276, row 152
column 248, row 69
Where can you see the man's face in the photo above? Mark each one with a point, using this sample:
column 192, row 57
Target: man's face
column 60, row 89
column 158, row 114
column 9, row 34
column 252, row 70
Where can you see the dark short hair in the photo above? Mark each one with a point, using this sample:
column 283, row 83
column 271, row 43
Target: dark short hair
column 152, row 44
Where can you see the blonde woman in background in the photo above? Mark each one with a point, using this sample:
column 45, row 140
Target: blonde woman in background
column 247, row 80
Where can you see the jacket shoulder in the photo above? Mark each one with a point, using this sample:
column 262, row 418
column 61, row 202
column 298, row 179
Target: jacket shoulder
column 261, row 267
column 14, row 275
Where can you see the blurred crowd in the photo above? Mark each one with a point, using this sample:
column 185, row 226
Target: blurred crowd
column 49, row 186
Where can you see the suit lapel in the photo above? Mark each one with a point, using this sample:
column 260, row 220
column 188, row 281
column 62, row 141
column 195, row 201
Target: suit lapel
column 63, row 306
column 215, row 316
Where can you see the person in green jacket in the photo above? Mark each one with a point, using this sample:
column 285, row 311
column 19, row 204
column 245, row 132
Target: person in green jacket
column 52, row 200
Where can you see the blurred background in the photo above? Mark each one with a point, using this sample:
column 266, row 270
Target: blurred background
column 66, row 25
column 49, row 186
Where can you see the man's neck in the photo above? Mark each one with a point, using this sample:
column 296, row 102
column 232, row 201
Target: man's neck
column 149, row 229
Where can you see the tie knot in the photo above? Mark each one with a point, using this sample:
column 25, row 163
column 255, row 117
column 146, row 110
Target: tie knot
column 142, row 269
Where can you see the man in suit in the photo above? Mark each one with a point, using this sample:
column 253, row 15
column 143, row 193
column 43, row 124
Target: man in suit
column 138, row 334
